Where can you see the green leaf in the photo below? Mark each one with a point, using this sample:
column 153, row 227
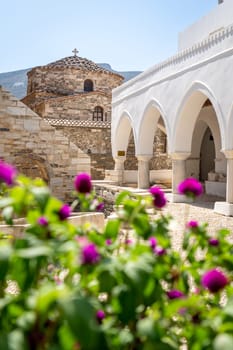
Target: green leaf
column 41, row 195
column 112, row 228
column 26, row 320
column 142, row 225
column 223, row 342
column 81, row 317
column 228, row 309
column 4, row 341
column 5, row 254
column 34, row 252
column 17, row 341
column 125, row 337
column 7, row 214
column 49, row 294
column 4, row 202
column 146, row 329
column 121, row 197
column 106, row 281
column 67, row 339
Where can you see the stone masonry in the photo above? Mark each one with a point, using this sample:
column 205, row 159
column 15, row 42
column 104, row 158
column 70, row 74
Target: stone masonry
column 37, row 149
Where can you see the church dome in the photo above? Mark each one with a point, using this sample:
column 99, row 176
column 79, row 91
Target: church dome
column 71, row 75
column 78, row 63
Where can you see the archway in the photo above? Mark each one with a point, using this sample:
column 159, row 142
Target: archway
column 207, row 155
column 123, row 146
column 153, row 143
column 120, row 140
column 199, row 134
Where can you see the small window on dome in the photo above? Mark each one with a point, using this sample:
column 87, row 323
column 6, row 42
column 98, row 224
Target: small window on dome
column 88, row 85
column 98, row 114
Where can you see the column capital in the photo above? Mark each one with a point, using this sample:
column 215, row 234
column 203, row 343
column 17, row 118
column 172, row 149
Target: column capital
column 228, row 153
column 144, row 157
column 180, row 155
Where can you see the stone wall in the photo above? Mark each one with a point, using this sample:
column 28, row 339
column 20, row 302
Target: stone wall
column 79, row 107
column 94, row 141
column 160, row 159
column 67, row 80
column 37, row 149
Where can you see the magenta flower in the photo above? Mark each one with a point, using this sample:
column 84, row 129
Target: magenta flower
column 7, row 173
column 108, row 241
column 175, row 294
column 82, row 240
column 42, row 221
column 160, row 251
column 82, row 183
column 159, row 199
column 64, row 212
column 192, row 224
column 214, row 280
column 89, row 254
column 214, row 242
column 152, row 242
column 100, row 207
column 190, row 187
column 128, row 241
column 100, row 315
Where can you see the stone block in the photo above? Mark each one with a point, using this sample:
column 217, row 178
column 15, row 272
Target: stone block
column 31, row 125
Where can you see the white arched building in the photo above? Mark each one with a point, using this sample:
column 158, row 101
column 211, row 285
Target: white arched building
column 190, row 95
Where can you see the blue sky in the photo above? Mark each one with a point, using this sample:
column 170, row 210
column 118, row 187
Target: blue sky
column 127, row 34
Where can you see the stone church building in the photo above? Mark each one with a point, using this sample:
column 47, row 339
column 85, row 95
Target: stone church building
column 74, row 95
column 191, row 96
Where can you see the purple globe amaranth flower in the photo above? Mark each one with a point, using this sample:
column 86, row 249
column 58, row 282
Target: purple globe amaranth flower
column 7, row 173
column 152, row 242
column 108, row 241
column 175, row 294
column 128, row 241
column 160, row 251
column 159, row 198
column 64, row 212
column 82, row 183
column 192, row 224
column 214, row 280
column 100, row 207
column 100, row 315
column 42, row 221
column 214, row 242
column 89, row 254
column 190, row 187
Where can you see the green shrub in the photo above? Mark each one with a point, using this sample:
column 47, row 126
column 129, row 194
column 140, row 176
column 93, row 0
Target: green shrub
column 123, row 288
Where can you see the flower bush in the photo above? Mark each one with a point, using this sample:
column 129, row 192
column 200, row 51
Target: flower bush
column 78, row 288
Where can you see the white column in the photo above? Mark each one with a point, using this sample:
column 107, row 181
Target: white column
column 226, row 208
column 229, row 192
column 143, row 171
column 178, row 175
column 119, row 163
column 118, row 173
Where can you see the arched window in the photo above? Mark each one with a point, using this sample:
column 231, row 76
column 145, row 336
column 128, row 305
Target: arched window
column 88, row 85
column 98, row 113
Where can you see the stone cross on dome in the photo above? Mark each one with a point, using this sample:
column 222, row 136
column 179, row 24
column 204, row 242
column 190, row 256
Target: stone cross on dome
column 75, row 52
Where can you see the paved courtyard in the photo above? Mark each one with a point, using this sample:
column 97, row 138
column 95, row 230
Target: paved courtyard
column 202, row 211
